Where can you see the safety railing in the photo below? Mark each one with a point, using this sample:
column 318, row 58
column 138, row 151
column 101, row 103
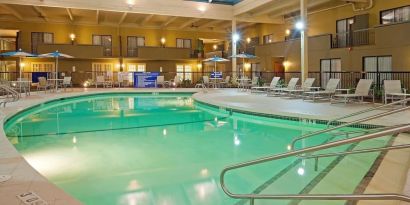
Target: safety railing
column 9, row 95
column 388, row 196
column 367, row 110
column 360, row 151
column 365, row 119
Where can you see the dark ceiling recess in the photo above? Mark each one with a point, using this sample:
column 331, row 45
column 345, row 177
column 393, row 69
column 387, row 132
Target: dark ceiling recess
column 226, row 2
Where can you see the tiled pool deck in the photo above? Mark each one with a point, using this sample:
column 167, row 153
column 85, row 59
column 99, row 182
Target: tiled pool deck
column 25, row 178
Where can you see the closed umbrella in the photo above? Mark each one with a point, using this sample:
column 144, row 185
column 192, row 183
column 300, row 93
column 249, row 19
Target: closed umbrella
column 20, row 54
column 56, row 55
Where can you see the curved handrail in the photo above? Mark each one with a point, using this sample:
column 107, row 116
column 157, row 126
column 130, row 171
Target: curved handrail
column 14, row 94
column 391, row 131
column 367, row 110
column 292, row 145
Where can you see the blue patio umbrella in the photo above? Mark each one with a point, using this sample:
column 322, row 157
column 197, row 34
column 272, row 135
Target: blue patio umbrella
column 20, row 54
column 216, row 59
column 56, row 55
column 243, row 56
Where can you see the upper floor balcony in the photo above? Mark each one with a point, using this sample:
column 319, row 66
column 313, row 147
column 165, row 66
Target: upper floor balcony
column 76, row 50
column 360, row 37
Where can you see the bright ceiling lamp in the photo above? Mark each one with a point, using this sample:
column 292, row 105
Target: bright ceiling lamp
column 300, row 25
column 235, row 37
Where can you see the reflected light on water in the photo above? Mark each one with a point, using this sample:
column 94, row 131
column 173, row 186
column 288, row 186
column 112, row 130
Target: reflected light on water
column 289, row 147
column 236, row 140
column 74, row 140
column 164, row 132
column 204, row 172
column 133, row 185
column 301, row 171
column 204, row 190
column 135, row 198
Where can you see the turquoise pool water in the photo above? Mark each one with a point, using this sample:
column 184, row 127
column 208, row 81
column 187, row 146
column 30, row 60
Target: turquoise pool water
column 166, row 149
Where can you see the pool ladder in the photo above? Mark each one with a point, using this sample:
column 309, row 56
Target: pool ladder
column 9, row 95
column 306, row 153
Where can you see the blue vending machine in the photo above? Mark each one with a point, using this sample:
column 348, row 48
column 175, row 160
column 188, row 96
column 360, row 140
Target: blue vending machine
column 145, row 79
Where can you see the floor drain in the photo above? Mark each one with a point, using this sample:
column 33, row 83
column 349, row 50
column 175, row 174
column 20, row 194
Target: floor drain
column 31, row 198
column 4, row 178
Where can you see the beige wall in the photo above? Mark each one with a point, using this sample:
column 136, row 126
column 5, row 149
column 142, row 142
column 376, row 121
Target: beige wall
column 323, row 22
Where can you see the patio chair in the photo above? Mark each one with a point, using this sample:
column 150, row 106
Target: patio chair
column 122, row 79
column 226, row 82
column 273, row 84
column 362, row 90
column 329, row 91
column 253, row 83
column 175, row 82
column 160, row 81
column 392, row 90
column 306, row 87
column 204, row 83
column 279, row 91
column 43, row 84
column 67, row 83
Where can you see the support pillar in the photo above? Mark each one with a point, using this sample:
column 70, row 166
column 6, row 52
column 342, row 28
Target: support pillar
column 304, row 61
column 234, row 65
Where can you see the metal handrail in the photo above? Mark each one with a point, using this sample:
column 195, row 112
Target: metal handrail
column 360, row 151
column 367, row 110
column 292, row 145
column 252, row 197
column 9, row 91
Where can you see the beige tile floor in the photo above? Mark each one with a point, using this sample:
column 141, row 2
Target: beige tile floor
column 25, row 178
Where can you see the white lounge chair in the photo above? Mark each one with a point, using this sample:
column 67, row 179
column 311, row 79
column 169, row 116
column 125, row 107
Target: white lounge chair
column 225, row 83
column 392, row 90
column 161, row 81
column 273, row 84
column 67, row 83
column 175, row 82
column 330, row 90
column 362, row 90
column 306, row 87
column 279, row 91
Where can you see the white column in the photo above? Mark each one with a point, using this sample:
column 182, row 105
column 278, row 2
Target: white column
column 233, row 48
column 304, row 61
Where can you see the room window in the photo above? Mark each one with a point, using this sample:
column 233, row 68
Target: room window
column 401, row 14
column 267, row 39
column 183, row 43
column 105, row 41
column 293, row 34
column 42, row 67
column 184, row 72
column 38, row 38
column 102, row 69
column 343, row 32
column 8, row 44
column 330, row 68
column 133, row 42
column 135, row 67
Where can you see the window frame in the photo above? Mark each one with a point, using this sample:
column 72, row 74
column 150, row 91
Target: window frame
column 101, row 43
column 136, row 48
column 34, row 50
column 269, row 39
column 183, row 43
column 394, row 15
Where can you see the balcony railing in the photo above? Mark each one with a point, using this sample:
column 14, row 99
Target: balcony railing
column 353, row 38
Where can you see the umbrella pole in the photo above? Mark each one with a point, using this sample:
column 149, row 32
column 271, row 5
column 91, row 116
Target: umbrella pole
column 56, row 75
column 20, row 67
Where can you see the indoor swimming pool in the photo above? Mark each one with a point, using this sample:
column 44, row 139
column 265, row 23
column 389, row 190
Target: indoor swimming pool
column 167, row 149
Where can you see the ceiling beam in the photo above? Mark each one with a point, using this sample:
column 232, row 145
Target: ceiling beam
column 276, row 6
column 188, row 23
column 296, row 8
column 97, row 16
column 124, row 15
column 41, row 13
column 245, row 25
column 12, row 11
column 170, row 20
column 209, row 24
column 70, row 14
column 248, row 5
column 158, row 7
column 146, row 19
